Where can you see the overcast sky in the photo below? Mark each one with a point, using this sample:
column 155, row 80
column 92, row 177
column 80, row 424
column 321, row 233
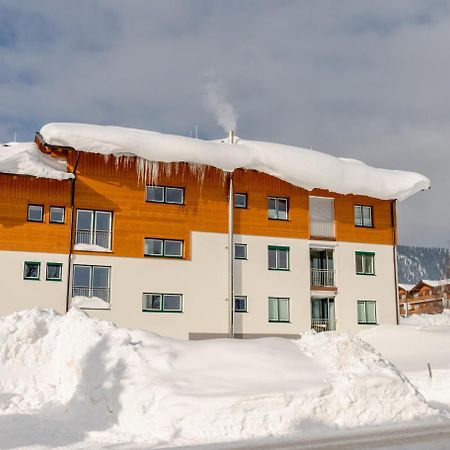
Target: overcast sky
column 362, row 79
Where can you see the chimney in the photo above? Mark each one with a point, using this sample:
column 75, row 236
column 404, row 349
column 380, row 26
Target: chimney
column 231, row 136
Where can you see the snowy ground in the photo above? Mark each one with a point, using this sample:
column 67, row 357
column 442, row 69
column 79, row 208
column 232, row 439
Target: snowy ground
column 77, row 383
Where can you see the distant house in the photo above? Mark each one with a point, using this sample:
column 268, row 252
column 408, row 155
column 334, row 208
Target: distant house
column 194, row 239
column 425, row 297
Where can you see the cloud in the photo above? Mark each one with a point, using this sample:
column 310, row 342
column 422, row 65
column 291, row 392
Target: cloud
column 360, row 79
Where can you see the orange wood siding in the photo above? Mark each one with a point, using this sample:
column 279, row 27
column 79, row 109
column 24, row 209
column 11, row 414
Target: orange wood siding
column 105, row 183
column 16, row 233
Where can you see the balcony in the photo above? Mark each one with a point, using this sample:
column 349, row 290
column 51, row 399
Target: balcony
column 91, row 293
column 322, row 278
column 89, row 237
column 320, row 325
column 319, row 229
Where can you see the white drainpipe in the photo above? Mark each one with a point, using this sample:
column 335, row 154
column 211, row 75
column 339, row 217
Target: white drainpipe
column 231, row 249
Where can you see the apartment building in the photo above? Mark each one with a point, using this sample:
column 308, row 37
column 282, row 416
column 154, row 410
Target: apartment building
column 135, row 229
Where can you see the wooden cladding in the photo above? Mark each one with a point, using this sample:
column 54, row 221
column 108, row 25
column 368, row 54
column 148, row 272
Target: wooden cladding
column 115, row 184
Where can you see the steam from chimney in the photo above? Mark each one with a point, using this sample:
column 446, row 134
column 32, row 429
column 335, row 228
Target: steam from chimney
column 215, row 101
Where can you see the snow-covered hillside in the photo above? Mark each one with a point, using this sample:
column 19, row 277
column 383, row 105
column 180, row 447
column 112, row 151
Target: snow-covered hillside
column 422, row 263
column 68, row 379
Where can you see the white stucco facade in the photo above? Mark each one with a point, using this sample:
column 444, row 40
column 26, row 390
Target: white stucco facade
column 202, row 281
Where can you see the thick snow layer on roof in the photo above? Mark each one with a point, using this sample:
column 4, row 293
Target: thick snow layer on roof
column 24, row 158
column 305, row 168
column 93, row 379
column 406, row 287
column 436, row 283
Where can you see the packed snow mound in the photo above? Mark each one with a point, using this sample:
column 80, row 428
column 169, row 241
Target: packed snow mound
column 125, row 385
column 24, row 158
column 301, row 167
column 428, row 320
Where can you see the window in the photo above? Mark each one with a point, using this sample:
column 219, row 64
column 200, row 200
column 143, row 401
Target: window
column 278, row 258
column 240, row 251
column 278, row 208
column 240, row 303
column 367, row 312
column 31, row 270
column 365, row 263
column 35, row 213
column 54, row 272
column 164, row 194
column 162, row 302
column 170, row 248
column 278, row 309
column 321, row 217
column 91, row 282
column 94, row 228
column 363, row 216
column 240, row 200
column 57, row 214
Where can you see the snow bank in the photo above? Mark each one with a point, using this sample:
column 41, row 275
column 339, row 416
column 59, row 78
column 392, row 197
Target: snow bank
column 80, row 301
column 91, row 248
column 428, row 320
column 125, row 385
column 24, row 158
column 308, row 169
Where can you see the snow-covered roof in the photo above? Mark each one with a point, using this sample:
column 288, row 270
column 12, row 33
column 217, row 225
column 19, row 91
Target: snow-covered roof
column 24, row 158
column 436, row 283
column 301, row 167
column 406, row 287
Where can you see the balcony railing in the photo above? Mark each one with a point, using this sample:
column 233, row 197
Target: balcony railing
column 100, row 238
column 100, row 293
column 321, row 229
column 322, row 277
column 323, row 324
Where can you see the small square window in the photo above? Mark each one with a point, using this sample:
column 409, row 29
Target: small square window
column 240, row 251
column 240, row 201
column 363, row 216
column 154, row 247
column 155, row 194
column 31, row 270
column 35, row 213
column 173, row 248
column 174, row 195
column 278, row 258
column 240, row 303
column 54, row 272
column 57, row 214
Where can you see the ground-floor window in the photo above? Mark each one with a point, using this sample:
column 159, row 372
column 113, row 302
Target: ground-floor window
column 31, row 270
column 278, row 309
column 367, row 312
column 91, row 282
column 158, row 302
column 54, row 272
column 240, row 303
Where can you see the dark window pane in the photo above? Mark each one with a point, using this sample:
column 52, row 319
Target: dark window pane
column 282, row 208
column 174, row 195
column 172, row 302
column 272, row 259
column 155, row 194
column 81, row 276
column 367, row 216
column 102, row 221
column 240, row 304
column 84, row 220
column 56, row 214
column 173, row 248
column 35, row 213
column 283, row 259
column 240, row 251
column 272, row 208
column 359, row 263
column 240, row 200
column 154, row 247
column 154, row 302
column 31, row 270
column 53, row 271
column 100, row 278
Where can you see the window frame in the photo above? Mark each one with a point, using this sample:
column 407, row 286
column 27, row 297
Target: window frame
column 239, row 244
column 361, row 209
column 364, row 302
column 278, row 248
column 57, row 221
column 38, row 278
column 244, row 195
column 52, row 264
column 91, row 286
column 28, row 212
column 93, row 229
column 162, row 309
column 164, row 200
column 270, row 197
column 163, row 248
column 278, row 309
column 244, row 298
column 365, row 255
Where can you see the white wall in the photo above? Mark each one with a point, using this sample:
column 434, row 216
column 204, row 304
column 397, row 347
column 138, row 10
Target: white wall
column 17, row 294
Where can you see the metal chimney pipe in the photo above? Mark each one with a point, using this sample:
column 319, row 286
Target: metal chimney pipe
column 231, row 249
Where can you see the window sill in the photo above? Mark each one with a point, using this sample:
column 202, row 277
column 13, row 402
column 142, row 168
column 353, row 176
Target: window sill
column 32, row 279
column 279, row 321
column 53, row 280
column 367, row 323
column 366, row 274
column 163, row 312
column 279, row 270
column 163, row 257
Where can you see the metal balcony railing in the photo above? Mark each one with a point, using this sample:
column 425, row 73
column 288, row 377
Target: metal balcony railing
column 100, row 238
column 323, row 324
column 322, row 277
column 101, row 293
column 321, row 229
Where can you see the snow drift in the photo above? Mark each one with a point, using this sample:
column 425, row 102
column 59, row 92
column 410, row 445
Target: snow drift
column 305, row 168
column 127, row 385
column 24, row 158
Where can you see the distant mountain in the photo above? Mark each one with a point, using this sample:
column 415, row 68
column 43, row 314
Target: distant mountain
column 422, row 263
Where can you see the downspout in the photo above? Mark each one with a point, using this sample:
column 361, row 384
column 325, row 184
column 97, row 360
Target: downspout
column 72, row 227
column 395, row 238
column 231, row 249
